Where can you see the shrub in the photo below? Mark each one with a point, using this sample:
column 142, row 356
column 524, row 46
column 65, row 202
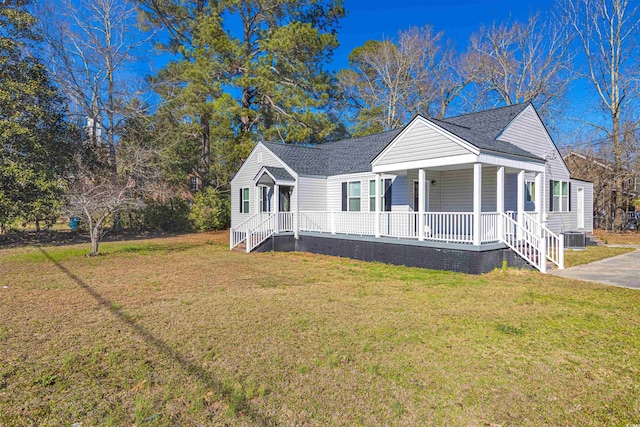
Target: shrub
column 210, row 210
column 171, row 215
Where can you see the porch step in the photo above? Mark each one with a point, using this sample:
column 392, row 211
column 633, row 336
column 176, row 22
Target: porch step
column 593, row 240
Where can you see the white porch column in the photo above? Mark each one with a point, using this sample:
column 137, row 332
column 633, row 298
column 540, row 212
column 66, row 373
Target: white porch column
column 539, row 198
column 500, row 201
column 421, row 182
column 378, row 194
column 276, row 209
column 520, row 210
column 477, row 202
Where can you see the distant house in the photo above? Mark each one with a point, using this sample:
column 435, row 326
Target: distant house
column 463, row 194
column 603, row 176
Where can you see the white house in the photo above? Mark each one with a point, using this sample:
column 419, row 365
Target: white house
column 463, row 193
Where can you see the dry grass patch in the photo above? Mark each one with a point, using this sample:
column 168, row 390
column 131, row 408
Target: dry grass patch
column 591, row 254
column 621, row 238
column 182, row 331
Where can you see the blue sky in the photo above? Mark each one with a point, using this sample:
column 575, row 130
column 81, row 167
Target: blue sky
column 375, row 19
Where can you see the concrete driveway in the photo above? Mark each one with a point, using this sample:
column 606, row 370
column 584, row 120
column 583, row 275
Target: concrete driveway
column 621, row 270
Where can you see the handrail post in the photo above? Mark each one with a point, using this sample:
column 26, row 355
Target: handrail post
column 296, row 224
column 561, row 252
column 231, row 238
column 247, row 241
column 333, row 222
column 542, row 255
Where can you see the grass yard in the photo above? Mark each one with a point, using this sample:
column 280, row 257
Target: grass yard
column 591, row 254
column 182, row 331
column 621, row 238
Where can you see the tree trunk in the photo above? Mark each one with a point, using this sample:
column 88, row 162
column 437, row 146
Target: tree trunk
column 37, row 225
column 94, row 233
column 205, row 157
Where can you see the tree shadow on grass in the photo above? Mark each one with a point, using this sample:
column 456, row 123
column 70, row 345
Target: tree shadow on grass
column 197, row 372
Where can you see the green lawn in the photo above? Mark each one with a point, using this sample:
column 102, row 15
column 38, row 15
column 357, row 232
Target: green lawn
column 182, row 331
column 591, row 254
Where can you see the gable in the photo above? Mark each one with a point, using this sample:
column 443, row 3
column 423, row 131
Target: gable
column 421, row 140
column 529, row 133
column 260, row 156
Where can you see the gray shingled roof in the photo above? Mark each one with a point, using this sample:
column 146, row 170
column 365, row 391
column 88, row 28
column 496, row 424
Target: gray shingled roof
column 280, row 174
column 482, row 128
column 355, row 154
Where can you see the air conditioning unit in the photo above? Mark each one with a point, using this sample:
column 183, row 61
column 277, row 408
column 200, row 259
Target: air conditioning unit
column 574, row 240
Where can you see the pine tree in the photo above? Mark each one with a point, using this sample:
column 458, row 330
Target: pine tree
column 35, row 138
column 246, row 71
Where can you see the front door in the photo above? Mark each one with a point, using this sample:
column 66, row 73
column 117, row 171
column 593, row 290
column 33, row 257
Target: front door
column 580, row 212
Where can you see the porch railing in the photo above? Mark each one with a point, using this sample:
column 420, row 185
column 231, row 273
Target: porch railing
column 526, row 236
column 489, row 226
column 449, row 226
column 238, row 233
column 360, row 223
column 402, row 225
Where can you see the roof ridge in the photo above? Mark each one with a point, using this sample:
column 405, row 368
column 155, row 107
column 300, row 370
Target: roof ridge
column 362, row 137
column 489, row 110
column 284, row 144
column 450, row 123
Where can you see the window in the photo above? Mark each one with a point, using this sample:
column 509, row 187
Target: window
column 354, row 196
column 385, row 198
column 193, row 183
column 351, row 196
column 560, row 196
column 244, row 200
column 530, row 191
column 264, row 199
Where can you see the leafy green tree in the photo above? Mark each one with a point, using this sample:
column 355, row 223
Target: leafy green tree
column 245, row 71
column 36, row 142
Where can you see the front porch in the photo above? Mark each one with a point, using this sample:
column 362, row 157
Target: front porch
column 377, row 215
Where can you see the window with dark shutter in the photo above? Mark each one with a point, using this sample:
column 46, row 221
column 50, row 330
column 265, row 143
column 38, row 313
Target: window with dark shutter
column 551, row 196
column 240, row 201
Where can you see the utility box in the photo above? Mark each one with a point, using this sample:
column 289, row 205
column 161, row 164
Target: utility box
column 575, row 240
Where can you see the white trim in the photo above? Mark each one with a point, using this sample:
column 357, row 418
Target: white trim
column 433, row 126
column 477, row 203
column 264, row 170
column 491, row 159
column 425, row 164
column 568, row 196
column 253, row 151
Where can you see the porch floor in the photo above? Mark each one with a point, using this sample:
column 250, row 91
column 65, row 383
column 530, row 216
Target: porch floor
column 400, row 241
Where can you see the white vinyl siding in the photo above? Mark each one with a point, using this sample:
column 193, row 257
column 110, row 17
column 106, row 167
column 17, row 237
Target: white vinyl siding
column 244, row 179
column 420, row 142
column 313, row 193
column 529, row 133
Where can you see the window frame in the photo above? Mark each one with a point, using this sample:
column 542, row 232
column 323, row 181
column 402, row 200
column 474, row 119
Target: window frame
column 351, row 197
column 193, row 183
column 530, row 191
column 563, row 203
column 263, row 200
column 245, row 197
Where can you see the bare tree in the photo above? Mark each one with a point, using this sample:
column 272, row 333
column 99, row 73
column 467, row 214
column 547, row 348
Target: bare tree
column 96, row 198
column 90, row 50
column 519, row 62
column 607, row 32
column 389, row 82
